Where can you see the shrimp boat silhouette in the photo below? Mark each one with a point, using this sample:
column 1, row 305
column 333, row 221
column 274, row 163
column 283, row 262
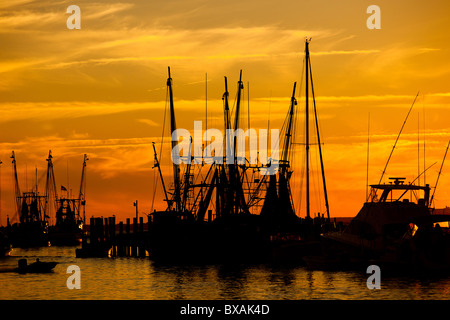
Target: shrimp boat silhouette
column 397, row 228
column 393, row 232
column 233, row 212
column 33, row 210
column 70, row 214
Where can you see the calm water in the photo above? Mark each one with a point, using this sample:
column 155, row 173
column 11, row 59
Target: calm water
column 140, row 278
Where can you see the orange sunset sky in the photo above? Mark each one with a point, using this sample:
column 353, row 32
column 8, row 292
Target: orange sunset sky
column 101, row 90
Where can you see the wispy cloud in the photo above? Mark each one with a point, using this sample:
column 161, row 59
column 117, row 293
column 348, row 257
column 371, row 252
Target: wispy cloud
column 365, row 98
column 218, row 43
column 17, row 17
column 100, row 10
column 149, row 122
column 342, row 52
column 75, row 109
column 12, row 65
column 105, row 61
column 426, row 50
column 14, row 3
column 26, row 18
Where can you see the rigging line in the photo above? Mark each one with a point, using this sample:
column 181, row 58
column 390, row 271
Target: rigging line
column 206, row 106
column 161, row 147
column 396, row 140
column 283, row 127
column 68, row 183
column 164, row 125
column 291, row 197
column 232, row 109
column 423, row 107
column 155, row 184
column 367, row 160
column 248, row 104
column 291, row 154
column 293, row 133
column 302, row 177
column 414, row 181
column 84, row 193
column 268, row 117
column 298, row 163
column 319, row 143
column 439, row 174
column 243, row 105
column 317, row 184
column 418, row 145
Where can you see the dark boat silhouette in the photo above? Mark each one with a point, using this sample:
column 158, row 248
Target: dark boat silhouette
column 35, row 267
column 253, row 217
column 70, row 212
column 395, row 232
column 31, row 230
column 33, row 211
column 397, row 228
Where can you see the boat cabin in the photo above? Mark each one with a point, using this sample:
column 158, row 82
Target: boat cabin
column 397, row 190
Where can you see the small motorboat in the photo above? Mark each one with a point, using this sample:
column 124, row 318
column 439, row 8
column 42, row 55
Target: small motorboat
column 35, row 267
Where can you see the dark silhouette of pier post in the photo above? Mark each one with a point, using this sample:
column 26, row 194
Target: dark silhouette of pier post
column 134, row 239
column 120, row 242
column 141, row 244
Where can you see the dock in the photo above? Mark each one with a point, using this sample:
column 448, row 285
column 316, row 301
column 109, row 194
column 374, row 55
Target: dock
column 105, row 238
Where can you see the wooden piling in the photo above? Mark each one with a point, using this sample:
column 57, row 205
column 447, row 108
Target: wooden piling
column 134, row 238
column 99, row 230
column 127, row 242
column 106, row 230
column 112, row 235
column 92, row 231
column 120, row 240
column 98, row 245
column 141, row 248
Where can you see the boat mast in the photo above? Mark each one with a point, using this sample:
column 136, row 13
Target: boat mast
column 280, row 203
column 187, row 175
column 226, row 107
column 81, row 194
column 287, row 141
column 367, row 159
column 16, row 184
column 236, row 180
column 223, row 193
column 1, row 192
column 308, row 207
column 236, row 117
column 173, row 127
column 226, row 110
column 50, row 186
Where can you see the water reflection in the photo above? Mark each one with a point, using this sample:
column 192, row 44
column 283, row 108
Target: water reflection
column 231, row 282
column 140, row 278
